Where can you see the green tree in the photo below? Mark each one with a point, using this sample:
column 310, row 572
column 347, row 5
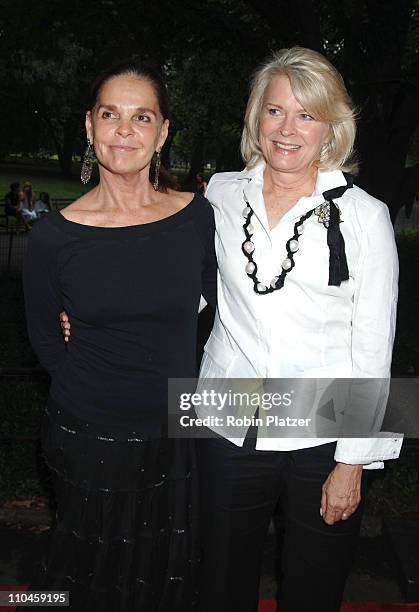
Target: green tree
column 374, row 43
column 208, row 50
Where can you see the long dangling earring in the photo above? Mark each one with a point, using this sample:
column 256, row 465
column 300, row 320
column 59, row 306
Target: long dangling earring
column 87, row 167
column 157, row 171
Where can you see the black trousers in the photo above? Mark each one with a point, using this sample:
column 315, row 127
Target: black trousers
column 240, row 488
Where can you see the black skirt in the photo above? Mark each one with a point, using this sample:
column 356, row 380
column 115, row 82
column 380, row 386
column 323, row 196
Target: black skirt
column 125, row 536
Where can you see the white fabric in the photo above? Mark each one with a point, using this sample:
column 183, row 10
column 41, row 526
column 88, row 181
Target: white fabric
column 202, row 303
column 306, row 329
column 28, row 215
column 40, row 207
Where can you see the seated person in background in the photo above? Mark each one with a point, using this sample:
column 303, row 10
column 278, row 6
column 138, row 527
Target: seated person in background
column 28, row 215
column 11, row 200
column 12, row 204
column 28, row 195
column 42, row 205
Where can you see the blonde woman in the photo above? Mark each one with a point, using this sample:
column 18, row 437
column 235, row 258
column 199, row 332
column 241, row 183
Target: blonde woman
column 307, row 287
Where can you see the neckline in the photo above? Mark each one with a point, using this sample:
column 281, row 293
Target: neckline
column 81, row 228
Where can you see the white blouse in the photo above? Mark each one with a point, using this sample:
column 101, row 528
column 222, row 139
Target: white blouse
column 307, row 329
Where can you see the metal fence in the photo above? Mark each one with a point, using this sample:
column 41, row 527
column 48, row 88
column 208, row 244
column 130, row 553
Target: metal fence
column 13, row 240
column 12, row 249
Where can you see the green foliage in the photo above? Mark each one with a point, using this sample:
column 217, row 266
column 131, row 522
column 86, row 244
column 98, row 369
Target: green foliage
column 394, row 493
column 19, row 474
column 208, row 50
column 22, row 400
column 406, row 347
column 22, row 473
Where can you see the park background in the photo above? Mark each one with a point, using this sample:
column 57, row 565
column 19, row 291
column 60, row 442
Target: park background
column 207, row 50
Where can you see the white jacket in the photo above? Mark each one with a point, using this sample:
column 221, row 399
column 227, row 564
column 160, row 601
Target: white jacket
column 308, row 328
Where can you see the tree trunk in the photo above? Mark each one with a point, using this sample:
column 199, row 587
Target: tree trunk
column 165, row 154
column 70, row 132
column 64, row 137
column 197, row 159
column 66, row 161
column 389, row 116
column 383, row 145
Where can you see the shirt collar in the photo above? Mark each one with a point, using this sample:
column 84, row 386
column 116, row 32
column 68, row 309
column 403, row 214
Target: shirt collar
column 254, row 173
column 326, row 180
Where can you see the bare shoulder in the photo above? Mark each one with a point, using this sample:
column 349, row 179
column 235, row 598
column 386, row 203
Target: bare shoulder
column 180, row 199
column 81, row 210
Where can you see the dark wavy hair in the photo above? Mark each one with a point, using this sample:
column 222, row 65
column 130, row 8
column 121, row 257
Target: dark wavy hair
column 150, row 74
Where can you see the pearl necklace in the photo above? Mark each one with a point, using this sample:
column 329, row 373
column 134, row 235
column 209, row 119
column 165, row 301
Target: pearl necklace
column 248, row 247
column 329, row 216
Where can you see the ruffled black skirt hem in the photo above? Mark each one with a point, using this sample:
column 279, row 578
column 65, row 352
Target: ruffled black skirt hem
column 126, row 532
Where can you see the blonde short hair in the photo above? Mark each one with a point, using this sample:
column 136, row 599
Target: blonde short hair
column 320, row 90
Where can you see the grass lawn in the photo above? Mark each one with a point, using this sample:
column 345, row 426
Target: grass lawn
column 45, row 176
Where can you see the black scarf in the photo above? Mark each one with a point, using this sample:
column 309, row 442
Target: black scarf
column 338, row 265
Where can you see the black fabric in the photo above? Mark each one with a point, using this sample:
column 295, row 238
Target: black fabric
column 125, row 535
column 241, row 492
column 132, row 296
column 338, row 265
column 337, row 192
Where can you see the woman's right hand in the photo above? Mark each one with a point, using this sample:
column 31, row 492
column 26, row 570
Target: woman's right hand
column 65, row 325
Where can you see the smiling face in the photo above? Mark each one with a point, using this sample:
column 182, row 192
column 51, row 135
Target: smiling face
column 289, row 138
column 126, row 126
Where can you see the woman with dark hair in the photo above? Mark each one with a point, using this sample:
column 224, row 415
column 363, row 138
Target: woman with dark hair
column 128, row 262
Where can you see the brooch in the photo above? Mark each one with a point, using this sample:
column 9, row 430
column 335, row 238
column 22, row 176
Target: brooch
column 323, row 213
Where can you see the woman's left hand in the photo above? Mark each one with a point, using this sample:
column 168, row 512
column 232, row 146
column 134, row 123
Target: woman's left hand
column 341, row 493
